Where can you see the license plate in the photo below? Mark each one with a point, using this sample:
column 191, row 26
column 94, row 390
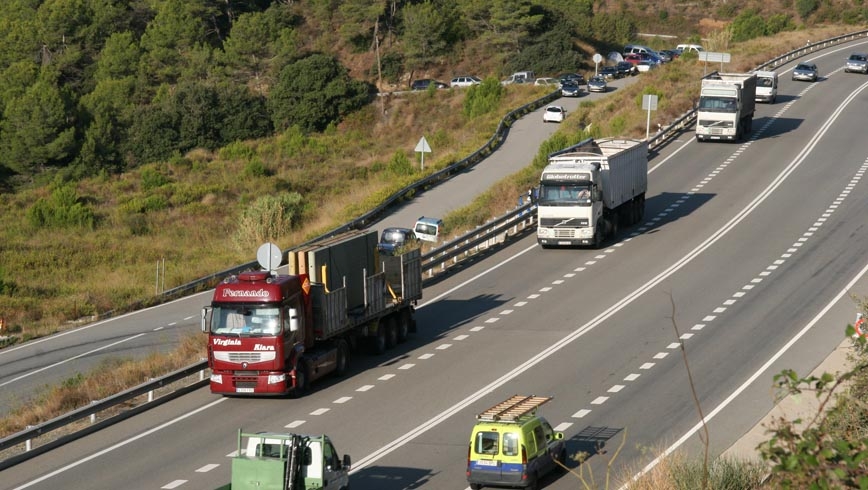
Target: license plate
column 486, row 462
column 243, row 390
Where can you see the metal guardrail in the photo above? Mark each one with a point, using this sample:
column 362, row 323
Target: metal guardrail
column 27, row 436
column 482, row 237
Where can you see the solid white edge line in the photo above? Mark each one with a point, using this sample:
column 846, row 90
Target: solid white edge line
column 118, row 445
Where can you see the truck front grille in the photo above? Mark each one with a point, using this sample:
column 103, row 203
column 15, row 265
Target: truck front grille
column 244, row 356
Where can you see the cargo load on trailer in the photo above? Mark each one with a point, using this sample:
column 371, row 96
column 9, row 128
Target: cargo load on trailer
column 726, row 106
column 271, row 461
column 274, row 334
column 590, row 189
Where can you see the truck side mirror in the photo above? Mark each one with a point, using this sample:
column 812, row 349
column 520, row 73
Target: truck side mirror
column 347, row 463
column 307, row 459
column 206, row 316
column 293, row 320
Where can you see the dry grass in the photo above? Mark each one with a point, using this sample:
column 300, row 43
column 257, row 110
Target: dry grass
column 111, row 377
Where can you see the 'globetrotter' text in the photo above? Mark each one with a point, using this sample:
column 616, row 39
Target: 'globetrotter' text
column 235, row 293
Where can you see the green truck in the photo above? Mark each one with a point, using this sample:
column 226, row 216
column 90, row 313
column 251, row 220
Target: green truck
column 270, row 461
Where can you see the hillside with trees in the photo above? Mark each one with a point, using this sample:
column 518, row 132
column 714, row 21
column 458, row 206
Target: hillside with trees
column 137, row 131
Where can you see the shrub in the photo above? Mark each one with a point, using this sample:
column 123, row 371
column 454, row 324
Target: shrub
column 399, row 164
column 255, row 168
column 806, row 7
column 483, row 98
column 268, row 218
column 748, row 25
column 62, row 209
column 153, row 178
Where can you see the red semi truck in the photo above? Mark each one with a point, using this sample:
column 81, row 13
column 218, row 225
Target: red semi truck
column 274, row 334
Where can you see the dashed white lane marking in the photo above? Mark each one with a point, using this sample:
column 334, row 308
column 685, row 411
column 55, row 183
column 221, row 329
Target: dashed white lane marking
column 422, row 357
column 320, row 411
column 404, row 367
column 365, row 388
column 174, row 484
column 294, row 424
column 386, row 377
column 207, row 468
column 343, row 399
column 581, row 413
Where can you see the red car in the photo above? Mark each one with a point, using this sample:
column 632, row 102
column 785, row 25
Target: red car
column 635, row 58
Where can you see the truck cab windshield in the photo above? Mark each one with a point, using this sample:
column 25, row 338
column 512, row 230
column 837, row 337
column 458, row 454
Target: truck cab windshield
column 245, row 321
column 565, row 195
column 717, row 104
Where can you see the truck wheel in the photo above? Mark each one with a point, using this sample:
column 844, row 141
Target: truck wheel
column 475, row 486
column 343, row 358
column 391, row 332
column 404, row 326
column 302, row 379
column 378, row 341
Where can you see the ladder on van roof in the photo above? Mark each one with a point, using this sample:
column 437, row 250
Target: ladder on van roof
column 514, row 408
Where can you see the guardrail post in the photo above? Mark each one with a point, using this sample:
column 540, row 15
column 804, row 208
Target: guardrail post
column 28, row 445
column 150, row 393
column 93, row 415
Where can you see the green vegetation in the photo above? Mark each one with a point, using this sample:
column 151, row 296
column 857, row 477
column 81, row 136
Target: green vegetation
column 188, row 130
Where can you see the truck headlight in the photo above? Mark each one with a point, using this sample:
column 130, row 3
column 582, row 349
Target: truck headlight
column 274, row 379
column 544, row 232
column 217, row 378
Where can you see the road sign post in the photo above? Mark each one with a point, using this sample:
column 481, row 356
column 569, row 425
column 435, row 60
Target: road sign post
column 649, row 103
column 423, row 148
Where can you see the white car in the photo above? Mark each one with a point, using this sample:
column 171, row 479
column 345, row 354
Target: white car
column 547, row 82
column 554, row 113
column 464, row 81
column 644, row 66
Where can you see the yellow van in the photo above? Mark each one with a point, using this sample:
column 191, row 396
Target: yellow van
column 512, row 446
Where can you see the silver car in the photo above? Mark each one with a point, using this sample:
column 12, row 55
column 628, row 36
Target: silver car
column 806, row 72
column 857, row 62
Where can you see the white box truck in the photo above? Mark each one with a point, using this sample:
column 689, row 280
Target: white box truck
column 726, row 106
column 590, row 189
column 766, row 86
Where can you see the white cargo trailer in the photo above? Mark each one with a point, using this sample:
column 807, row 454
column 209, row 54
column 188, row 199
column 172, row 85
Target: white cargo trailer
column 590, row 189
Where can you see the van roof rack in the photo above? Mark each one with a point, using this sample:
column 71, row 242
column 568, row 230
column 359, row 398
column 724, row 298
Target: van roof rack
column 513, row 408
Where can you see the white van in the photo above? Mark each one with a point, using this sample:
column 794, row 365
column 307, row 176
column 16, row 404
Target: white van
column 428, row 229
column 766, row 86
column 686, row 48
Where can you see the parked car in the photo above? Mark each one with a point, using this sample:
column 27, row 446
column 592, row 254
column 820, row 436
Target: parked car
column 597, row 84
column 554, row 113
column 644, row 66
column 424, row 83
column 519, row 77
column 687, row 48
column 546, row 81
column 664, row 56
column 570, row 88
column 464, row 81
column 393, row 240
column 609, row 73
column 857, row 62
column 576, row 77
column 673, row 54
column 806, row 72
column 636, row 58
column 625, row 68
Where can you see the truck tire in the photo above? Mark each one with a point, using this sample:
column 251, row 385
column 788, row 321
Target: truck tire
column 378, row 341
column 302, row 376
column 391, row 331
column 342, row 363
column 404, row 324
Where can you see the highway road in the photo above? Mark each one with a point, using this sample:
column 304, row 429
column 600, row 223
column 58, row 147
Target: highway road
column 746, row 259
column 51, row 360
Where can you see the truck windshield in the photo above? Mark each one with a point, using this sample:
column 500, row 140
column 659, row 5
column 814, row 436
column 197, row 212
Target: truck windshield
column 245, row 321
column 718, row 104
column 564, row 195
